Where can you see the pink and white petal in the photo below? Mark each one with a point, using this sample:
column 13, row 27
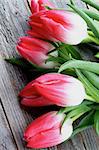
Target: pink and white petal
column 46, row 139
column 29, row 90
column 55, row 95
column 44, row 122
column 35, row 57
column 35, row 44
column 75, row 93
column 34, row 6
column 51, row 78
column 43, row 3
column 34, row 34
column 35, row 101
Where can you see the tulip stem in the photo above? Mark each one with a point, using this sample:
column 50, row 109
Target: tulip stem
column 90, row 98
column 71, row 108
column 67, row 109
column 72, row 2
column 79, row 115
column 76, row 117
column 75, row 114
column 91, row 39
column 91, row 33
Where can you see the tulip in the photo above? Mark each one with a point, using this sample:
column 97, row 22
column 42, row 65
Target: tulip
column 46, row 131
column 39, row 5
column 35, row 51
column 53, row 88
column 58, row 26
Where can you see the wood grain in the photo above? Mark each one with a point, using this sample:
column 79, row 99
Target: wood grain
column 6, row 138
column 14, row 118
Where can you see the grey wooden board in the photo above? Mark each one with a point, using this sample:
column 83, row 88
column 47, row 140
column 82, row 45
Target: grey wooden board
column 13, row 118
column 6, row 139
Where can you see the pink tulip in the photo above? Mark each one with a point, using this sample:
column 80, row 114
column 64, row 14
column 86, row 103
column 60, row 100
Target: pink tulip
column 38, row 5
column 58, row 25
column 46, row 131
column 35, row 51
column 53, row 88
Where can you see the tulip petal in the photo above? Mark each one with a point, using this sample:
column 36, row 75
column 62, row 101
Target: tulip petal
column 55, row 88
column 46, row 121
column 35, row 44
column 35, row 101
column 34, row 6
column 39, row 5
column 32, row 56
column 28, row 91
column 34, row 34
column 43, row 3
column 45, row 139
column 35, row 51
column 51, row 137
column 60, row 89
column 58, row 25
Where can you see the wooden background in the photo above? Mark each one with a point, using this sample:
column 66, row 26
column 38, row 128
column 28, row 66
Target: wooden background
column 14, row 118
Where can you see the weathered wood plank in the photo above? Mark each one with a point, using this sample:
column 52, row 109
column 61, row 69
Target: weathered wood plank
column 18, row 119
column 13, row 16
column 6, row 139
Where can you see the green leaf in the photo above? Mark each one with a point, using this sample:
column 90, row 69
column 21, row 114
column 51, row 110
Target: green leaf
column 70, row 108
column 20, row 62
column 67, row 109
column 91, row 39
column 80, row 110
column 66, row 52
column 24, row 64
column 73, row 51
column 91, row 3
column 72, row 2
column 54, row 59
column 91, row 14
column 47, row 7
column 55, row 44
column 97, row 55
column 91, row 90
column 95, row 107
column 85, row 123
column 92, row 77
column 80, row 64
column 63, row 53
column 87, row 120
column 96, row 121
column 76, row 112
column 88, row 20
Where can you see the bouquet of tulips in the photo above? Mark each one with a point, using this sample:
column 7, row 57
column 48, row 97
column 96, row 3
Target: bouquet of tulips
column 55, row 48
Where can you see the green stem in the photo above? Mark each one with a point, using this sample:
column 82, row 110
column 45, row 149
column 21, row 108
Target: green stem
column 67, row 109
column 91, row 3
column 75, row 114
column 90, row 33
column 72, row 2
column 90, row 39
column 97, row 55
column 90, row 98
column 76, row 117
column 70, row 108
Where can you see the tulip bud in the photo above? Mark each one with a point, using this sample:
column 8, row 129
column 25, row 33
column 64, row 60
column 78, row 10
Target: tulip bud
column 35, row 51
column 58, row 26
column 45, row 131
column 38, row 5
column 53, row 88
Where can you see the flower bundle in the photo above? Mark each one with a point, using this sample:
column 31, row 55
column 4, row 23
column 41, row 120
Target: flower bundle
column 54, row 47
